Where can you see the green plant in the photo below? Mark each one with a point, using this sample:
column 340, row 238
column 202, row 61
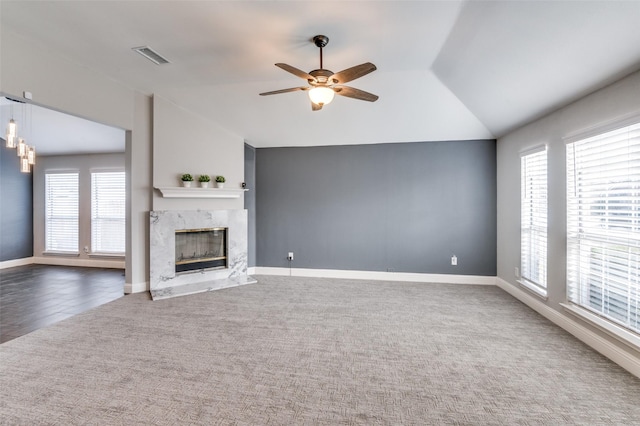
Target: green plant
column 187, row 177
column 220, row 179
column 204, row 178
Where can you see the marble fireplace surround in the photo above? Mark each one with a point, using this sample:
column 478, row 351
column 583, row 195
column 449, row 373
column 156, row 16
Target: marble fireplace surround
column 165, row 283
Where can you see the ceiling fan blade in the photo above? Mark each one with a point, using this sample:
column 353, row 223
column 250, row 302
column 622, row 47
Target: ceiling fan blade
column 276, row 92
column 351, row 92
column 352, row 73
column 315, row 107
column 295, row 71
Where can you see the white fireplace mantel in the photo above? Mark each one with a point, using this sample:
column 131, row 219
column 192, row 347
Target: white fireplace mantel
column 182, row 192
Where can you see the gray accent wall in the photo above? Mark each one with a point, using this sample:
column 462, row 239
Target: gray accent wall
column 405, row 207
column 16, row 207
column 250, row 200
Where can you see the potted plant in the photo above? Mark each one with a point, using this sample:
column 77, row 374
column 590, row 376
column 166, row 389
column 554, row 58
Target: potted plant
column 204, row 181
column 220, row 180
column 186, row 180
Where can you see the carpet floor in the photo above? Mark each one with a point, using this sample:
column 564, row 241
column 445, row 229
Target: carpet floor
column 311, row 351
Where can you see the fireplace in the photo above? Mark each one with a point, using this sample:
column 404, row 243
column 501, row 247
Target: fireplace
column 199, row 249
column 192, row 251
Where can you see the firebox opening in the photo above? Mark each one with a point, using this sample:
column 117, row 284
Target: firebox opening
column 198, row 249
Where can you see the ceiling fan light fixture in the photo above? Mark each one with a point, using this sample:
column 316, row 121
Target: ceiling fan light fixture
column 321, row 95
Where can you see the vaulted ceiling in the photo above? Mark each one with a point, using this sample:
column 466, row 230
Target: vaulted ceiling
column 447, row 70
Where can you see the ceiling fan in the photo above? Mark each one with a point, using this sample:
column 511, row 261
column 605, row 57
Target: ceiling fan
column 324, row 84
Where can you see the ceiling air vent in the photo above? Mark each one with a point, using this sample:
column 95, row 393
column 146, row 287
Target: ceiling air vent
column 148, row 53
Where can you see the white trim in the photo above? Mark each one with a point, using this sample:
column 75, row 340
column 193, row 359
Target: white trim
column 625, row 120
column 140, row 287
column 533, row 150
column 71, row 261
column 16, row 262
column 533, row 288
column 612, row 329
column 616, row 354
column 376, row 275
column 196, row 192
column 251, row 270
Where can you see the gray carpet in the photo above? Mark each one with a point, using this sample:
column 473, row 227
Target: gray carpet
column 313, row 351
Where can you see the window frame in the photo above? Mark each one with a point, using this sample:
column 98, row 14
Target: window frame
column 100, row 250
column 612, row 210
column 534, row 242
column 50, row 248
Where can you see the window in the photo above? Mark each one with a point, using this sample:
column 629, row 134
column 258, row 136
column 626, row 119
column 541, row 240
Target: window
column 61, row 217
column 108, row 212
column 533, row 216
column 603, row 225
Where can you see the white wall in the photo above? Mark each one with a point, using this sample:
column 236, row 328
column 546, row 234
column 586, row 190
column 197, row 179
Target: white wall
column 611, row 103
column 138, row 165
column 200, row 146
column 83, row 164
column 184, row 142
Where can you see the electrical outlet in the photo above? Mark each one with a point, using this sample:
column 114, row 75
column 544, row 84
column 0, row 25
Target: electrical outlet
column 86, row 249
column 454, row 260
column 517, row 271
column 290, row 256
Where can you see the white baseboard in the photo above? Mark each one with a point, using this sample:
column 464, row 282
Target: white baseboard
column 16, row 262
column 74, row 261
column 251, row 270
column 375, row 275
column 140, row 287
column 616, row 354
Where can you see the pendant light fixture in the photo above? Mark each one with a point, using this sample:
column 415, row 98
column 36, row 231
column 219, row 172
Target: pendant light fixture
column 25, row 153
column 31, row 155
column 11, row 131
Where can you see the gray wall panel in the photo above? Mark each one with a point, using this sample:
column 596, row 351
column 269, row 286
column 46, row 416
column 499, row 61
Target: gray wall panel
column 16, row 207
column 390, row 207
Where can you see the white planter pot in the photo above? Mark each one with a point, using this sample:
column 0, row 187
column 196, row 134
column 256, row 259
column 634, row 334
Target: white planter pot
column 220, row 184
column 186, row 184
column 204, row 184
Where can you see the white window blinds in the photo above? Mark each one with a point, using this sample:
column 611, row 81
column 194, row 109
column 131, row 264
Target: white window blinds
column 603, row 224
column 61, row 218
column 533, row 217
column 108, row 212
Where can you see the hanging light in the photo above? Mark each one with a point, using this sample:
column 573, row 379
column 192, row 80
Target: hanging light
column 22, row 148
column 24, row 165
column 11, row 128
column 12, row 131
column 26, row 153
column 11, row 141
column 31, row 155
column 321, row 95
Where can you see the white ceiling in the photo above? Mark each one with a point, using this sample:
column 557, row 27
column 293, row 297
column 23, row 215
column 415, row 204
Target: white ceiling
column 447, row 70
column 54, row 133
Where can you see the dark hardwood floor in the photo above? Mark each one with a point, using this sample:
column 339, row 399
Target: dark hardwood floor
column 35, row 296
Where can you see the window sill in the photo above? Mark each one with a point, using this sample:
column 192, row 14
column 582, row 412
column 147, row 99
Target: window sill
column 61, row 253
column 612, row 329
column 533, row 289
column 108, row 255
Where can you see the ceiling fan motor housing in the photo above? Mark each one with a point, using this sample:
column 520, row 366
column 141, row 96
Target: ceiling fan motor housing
column 321, row 75
column 321, row 40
